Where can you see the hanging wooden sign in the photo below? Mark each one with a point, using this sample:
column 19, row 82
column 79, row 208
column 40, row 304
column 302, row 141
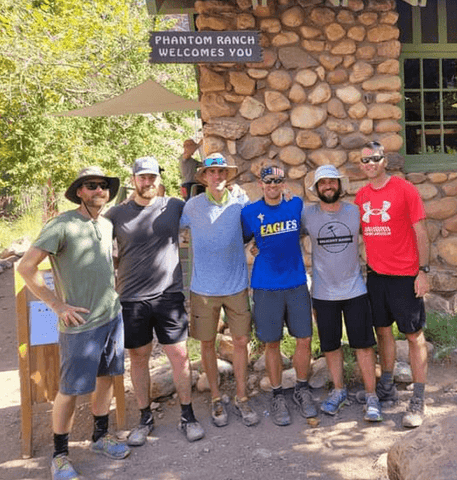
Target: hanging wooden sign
column 200, row 47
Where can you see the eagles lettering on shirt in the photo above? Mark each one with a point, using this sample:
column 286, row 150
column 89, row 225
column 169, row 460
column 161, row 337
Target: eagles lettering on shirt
column 276, row 228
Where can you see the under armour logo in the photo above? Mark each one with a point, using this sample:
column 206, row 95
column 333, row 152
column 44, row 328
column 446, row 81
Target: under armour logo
column 385, row 217
column 261, row 216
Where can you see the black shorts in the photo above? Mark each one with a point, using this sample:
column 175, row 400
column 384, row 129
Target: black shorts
column 393, row 300
column 165, row 315
column 357, row 319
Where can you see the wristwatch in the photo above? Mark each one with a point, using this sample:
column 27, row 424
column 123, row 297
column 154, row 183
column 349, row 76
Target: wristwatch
column 425, row 268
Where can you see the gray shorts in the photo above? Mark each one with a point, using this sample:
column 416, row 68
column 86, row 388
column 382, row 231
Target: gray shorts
column 87, row 355
column 274, row 308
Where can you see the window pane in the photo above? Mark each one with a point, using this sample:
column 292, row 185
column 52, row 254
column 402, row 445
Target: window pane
column 429, row 22
column 450, row 105
column 412, row 106
column 413, row 139
column 433, row 139
column 449, row 73
column 431, row 73
column 451, row 8
column 412, row 73
column 432, row 106
column 450, row 139
column 405, row 22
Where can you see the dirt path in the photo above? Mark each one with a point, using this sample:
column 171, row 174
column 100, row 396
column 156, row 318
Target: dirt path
column 340, row 448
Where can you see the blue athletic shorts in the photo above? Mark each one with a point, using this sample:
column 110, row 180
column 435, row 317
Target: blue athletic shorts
column 87, row 355
column 393, row 300
column 164, row 314
column 357, row 319
column 273, row 308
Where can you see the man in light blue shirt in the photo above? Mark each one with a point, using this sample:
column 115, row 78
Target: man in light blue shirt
column 219, row 279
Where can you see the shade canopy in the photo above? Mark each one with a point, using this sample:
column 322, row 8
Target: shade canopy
column 148, row 97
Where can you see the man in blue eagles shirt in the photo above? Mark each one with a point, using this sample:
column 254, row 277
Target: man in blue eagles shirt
column 280, row 290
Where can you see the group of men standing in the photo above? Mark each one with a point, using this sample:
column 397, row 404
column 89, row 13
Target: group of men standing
column 149, row 288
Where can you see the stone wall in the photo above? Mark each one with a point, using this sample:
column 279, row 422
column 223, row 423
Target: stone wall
column 328, row 83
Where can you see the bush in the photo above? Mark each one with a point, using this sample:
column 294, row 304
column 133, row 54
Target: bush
column 441, row 330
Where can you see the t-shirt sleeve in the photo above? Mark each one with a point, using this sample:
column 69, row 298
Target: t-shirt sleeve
column 51, row 237
column 247, row 231
column 185, row 219
column 415, row 204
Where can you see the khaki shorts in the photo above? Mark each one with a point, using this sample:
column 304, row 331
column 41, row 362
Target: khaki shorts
column 205, row 312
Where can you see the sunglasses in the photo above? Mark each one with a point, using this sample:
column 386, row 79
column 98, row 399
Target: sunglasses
column 374, row 159
column 276, row 181
column 209, row 162
column 95, row 185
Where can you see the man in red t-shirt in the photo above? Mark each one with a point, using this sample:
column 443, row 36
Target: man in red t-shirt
column 397, row 248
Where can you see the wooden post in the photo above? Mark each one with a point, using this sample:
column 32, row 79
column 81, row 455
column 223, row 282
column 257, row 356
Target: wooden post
column 39, row 372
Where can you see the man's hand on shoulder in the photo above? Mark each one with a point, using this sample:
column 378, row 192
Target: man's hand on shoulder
column 236, row 190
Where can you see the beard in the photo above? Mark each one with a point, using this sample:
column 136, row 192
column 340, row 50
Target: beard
column 332, row 198
column 146, row 192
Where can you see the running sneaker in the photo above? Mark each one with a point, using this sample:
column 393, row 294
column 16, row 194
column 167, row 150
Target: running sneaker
column 193, row 431
column 279, row 411
column 139, row 434
column 302, row 397
column 247, row 414
column 334, row 401
column 111, row 447
column 373, row 409
column 219, row 413
column 415, row 413
column 62, row 469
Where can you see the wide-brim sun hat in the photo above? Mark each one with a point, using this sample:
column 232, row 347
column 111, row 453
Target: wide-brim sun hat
column 88, row 173
column 216, row 160
column 329, row 171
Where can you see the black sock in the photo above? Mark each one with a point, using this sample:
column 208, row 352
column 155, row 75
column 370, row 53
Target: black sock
column 146, row 416
column 100, row 427
column 387, row 378
column 60, row 444
column 187, row 412
column 419, row 390
column 277, row 391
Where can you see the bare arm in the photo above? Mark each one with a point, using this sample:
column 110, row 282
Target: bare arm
column 421, row 284
column 28, row 268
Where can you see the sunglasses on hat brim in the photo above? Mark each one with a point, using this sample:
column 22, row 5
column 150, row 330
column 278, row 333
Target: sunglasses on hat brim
column 219, row 161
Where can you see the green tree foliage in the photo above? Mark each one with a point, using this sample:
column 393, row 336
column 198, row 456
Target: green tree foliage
column 56, row 55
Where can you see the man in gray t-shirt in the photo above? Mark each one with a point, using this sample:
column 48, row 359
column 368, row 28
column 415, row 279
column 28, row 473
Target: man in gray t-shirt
column 149, row 282
column 339, row 289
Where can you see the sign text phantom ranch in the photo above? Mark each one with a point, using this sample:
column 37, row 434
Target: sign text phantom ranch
column 199, row 47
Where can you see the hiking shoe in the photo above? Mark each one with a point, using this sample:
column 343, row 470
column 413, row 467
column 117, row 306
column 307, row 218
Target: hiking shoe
column 279, row 411
column 383, row 392
column 62, row 469
column 372, row 409
column 334, row 401
column 110, row 447
column 415, row 413
column 387, row 393
column 302, row 397
column 248, row 415
column 219, row 413
column 138, row 435
column 193, row 431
